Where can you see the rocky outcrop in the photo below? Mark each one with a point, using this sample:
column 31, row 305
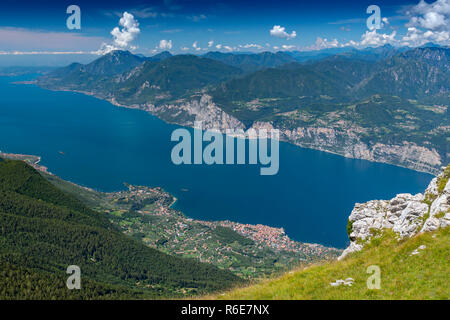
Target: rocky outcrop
column 202, row 109
column 439, row 213
column 347, row 142
column 405, row 214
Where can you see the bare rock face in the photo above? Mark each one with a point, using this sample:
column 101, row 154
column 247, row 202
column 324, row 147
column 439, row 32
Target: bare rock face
column 440, row 207
column 347, row 142
column 187, row 113
column 405, row 214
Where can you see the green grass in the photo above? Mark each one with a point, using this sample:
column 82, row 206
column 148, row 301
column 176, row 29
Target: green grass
column 422, row 276
column 440, row 215
column 441, row 183
column 349, row 227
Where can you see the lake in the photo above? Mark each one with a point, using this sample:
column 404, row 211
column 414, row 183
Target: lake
column 104, row 146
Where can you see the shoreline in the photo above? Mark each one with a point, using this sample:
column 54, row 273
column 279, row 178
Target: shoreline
column 256, row 232
column 32, row 160
column 113, row 102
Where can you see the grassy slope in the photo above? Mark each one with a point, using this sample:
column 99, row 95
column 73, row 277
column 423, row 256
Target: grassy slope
column 422, row 276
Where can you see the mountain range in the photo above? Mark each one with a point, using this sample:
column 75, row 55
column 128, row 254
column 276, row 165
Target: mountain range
column 395, row 100
column 382, row 104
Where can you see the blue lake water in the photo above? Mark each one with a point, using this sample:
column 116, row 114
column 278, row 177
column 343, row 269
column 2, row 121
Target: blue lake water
column 104, row 146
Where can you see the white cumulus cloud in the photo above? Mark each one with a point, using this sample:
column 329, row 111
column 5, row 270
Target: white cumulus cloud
column 287, row 47
column 324, row 43
column 417, row 37
column 374, row 39
column 280, row 32
column 195, row 46
column 165, row 44
column 428, row 22
column 432, row 16
column 251, row 46
column 124, row 36
column 130, row 30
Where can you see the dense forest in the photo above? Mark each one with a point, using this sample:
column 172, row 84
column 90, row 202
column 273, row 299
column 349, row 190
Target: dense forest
column 44, row 230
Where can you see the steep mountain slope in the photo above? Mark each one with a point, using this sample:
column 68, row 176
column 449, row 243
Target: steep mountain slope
column 44, row 230
column 292, row 86
column 160, row 56
column 422, row 74
column 404, row 276
column 129, row 79
column 406, row 239
column 96, row 74
column 345, row 72
column 368, row 54
column 252, row 62
column 374, row 53
column 394, row 110
column 278, row 88
column 170, row 79
column 113, row 63
column 313, row 55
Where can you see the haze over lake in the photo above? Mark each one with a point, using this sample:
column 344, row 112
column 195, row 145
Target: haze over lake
column 104, row 146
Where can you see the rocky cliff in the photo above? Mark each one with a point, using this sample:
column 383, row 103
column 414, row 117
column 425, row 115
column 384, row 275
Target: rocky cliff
column 342, row 140
column 347, row 142
column 201, row 109
column 406, row 214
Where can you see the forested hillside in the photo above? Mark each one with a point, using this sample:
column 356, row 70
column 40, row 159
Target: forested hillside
column 44, row 230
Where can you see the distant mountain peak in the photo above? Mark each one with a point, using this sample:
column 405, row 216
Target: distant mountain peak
column 160, row 56
column 251, row 61
column 430, row 45
column 119, row 52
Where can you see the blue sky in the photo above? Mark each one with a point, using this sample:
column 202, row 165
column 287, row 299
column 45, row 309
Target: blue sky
column 188, row 26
